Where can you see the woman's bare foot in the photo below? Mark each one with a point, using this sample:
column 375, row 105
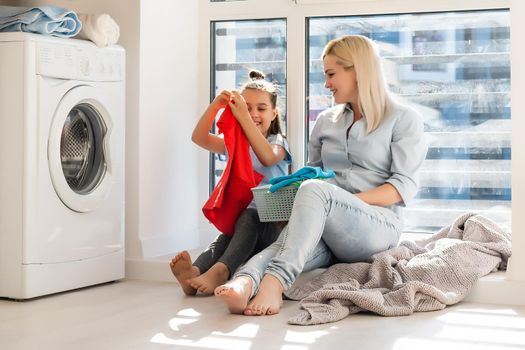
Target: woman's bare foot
column 207, row 282
column 268, row 300
column 183, row 271
column 235, row 294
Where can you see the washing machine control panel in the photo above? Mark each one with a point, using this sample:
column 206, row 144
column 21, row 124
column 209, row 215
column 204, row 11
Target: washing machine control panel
column 80, row 61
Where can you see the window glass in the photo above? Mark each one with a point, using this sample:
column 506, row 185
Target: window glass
column 454, row 67
column 237, row 47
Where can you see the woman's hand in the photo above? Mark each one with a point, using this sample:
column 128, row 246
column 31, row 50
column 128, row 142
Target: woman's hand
column 239, row 107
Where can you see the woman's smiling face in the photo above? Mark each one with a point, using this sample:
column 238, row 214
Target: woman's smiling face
column 341, row 81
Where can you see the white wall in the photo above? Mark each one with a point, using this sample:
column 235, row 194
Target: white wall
column 168, row 203
column 160, row 38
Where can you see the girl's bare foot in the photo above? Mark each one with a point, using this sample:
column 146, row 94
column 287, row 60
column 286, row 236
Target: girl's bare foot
column 183, row 271
column 268, row 300
column 207, row 282
column 235, row 294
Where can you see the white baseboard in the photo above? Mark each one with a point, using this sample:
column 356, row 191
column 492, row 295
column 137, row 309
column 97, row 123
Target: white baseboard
column 154, row 269
column 490, row 289
column 495, row 288
column 149, row 270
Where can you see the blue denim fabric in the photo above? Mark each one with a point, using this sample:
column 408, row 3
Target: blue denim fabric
column 327, row 224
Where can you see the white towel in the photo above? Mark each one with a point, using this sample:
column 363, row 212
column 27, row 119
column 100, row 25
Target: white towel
column 99, row 28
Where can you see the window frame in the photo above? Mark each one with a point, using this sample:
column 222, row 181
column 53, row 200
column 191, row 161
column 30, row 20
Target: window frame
column 213, row 83
column 297, row 14
column 297, row 11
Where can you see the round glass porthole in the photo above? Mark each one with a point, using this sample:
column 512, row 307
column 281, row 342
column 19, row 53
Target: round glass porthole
column 81, row 148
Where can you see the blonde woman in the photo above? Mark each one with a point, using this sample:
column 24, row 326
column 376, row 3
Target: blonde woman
column 375, row 147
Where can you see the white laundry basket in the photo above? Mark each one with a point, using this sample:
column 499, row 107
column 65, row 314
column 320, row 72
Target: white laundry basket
column 276, row 206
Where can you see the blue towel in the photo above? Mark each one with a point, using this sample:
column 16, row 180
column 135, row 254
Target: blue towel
column 305, row 173
column 50, row 20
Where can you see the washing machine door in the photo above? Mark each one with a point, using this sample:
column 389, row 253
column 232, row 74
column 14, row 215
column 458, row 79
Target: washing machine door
column 78, row 149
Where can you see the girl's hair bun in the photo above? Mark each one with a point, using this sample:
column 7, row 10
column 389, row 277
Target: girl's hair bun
column 256, row 75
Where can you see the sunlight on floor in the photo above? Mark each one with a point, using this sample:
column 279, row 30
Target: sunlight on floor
column 240, row 338
column 188, row 313
column 217, row 340
column 433, row 344
column 206, row 342
column 304, row 337
column 469, row 327
column 175, row 322
column 244, row 331
column 294, row 347
column 507, row 337
column 475, row 328
column 484, row 318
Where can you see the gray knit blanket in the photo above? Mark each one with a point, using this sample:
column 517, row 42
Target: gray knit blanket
column 424, row 275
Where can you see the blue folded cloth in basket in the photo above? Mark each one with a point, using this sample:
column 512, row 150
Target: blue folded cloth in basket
column 50, row 20
column 305, row 173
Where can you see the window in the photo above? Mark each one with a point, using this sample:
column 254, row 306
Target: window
column 454, row 67
column 237, row 47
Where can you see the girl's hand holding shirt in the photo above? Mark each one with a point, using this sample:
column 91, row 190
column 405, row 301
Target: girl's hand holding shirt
column 222, row 99
column 239, row 107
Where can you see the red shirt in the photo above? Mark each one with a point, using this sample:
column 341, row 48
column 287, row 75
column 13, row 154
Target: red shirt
column 233, row 191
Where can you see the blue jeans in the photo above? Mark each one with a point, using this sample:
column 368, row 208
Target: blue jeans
column 327, row 225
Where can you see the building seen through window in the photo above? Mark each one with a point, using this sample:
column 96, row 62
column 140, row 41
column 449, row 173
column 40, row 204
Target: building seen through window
column 239, row 46
column 454, row 68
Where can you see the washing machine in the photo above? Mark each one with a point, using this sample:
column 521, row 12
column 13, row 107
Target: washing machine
column 62, row 109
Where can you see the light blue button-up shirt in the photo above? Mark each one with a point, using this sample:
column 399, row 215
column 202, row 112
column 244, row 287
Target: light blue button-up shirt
column 279, row 169
column 393, row 153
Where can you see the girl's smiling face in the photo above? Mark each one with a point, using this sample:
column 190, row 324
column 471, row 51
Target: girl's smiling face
column 260, row 109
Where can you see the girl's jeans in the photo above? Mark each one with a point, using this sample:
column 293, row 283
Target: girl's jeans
column 327, row 224
column 250, row 236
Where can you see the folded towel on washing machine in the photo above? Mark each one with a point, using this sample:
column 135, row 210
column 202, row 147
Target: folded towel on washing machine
column 49, row 20
column 99, row 28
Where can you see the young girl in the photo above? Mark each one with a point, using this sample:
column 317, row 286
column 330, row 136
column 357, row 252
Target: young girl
column 255, row 108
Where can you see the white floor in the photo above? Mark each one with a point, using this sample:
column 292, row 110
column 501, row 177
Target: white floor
column 134, row 314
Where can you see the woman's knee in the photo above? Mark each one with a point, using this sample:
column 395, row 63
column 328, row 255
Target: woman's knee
column 314, row 188
column 326, row 193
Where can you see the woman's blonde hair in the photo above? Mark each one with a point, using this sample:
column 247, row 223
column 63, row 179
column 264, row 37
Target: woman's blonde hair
column 360, row 52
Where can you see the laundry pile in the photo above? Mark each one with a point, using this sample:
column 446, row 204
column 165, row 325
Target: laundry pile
column 60, row 22
column 424, row 275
